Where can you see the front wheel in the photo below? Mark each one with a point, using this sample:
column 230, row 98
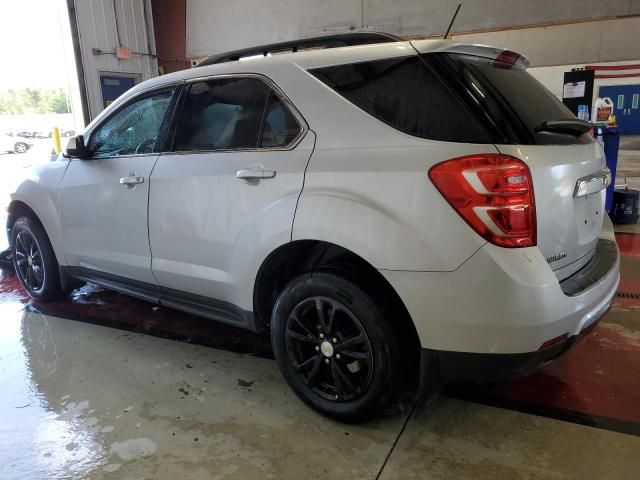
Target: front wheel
column 34, row 260
column 335, row 347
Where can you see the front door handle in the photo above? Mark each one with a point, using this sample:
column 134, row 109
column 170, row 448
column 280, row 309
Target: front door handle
column 256, row 173
column 131, row 180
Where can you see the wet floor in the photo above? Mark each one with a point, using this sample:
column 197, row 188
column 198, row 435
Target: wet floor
column 104, row 386
column 81, row 400
column 87, row 401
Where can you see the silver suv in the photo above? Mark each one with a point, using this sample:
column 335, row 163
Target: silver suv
column 392, row 211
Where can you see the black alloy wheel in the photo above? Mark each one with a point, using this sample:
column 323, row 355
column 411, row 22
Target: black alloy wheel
column 28, row 261
column 335, row 347
column 34, row 260
column 329, row 349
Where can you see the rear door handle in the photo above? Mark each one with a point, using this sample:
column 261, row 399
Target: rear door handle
column 256, row 173
column 131, row 180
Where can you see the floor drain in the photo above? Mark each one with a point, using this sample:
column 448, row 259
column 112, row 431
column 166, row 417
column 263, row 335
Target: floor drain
column 634, row 296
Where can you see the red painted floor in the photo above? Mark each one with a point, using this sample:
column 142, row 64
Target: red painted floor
column 629, row 244
column 599, row 379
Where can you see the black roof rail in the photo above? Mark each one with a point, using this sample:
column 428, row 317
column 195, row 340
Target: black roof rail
column 327, row 41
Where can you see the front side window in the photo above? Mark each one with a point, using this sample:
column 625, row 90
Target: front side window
column 134, row 129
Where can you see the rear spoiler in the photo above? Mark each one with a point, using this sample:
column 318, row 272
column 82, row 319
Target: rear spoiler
column 500, row 55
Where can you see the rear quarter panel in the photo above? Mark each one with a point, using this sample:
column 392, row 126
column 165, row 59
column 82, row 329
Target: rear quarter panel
column 379, row 203
column 367, row 187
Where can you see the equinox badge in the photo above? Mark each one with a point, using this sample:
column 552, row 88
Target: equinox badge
column 555, row 258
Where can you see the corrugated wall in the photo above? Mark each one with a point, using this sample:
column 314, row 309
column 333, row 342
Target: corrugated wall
column 215, row 26
column 96, row 21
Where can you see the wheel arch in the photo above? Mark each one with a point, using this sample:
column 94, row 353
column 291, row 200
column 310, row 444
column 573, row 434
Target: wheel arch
column 17, row 209
column 300, row 256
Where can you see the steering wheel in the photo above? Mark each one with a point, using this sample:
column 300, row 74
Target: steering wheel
column 148, row 141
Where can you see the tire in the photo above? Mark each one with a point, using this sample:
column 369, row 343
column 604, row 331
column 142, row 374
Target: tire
column 34, row 260
column 354, row 341
column 20, row 147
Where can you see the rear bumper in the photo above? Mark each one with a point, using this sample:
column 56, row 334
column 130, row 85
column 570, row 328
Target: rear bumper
column 495, row 367
column 506, row 301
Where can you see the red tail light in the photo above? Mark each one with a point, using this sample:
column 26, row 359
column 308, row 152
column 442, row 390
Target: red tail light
column 493, row 193
column 507, row 58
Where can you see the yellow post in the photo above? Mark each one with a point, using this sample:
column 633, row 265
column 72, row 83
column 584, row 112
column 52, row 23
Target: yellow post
column 57, row 146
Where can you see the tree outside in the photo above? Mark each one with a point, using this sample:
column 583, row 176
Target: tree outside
column 34, row 100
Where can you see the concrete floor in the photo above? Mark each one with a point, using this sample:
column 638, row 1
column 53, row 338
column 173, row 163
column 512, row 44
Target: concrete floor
column 88, row 401
column 630, row 142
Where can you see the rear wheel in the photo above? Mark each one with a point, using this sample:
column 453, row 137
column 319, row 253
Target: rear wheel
column 34, row 260
column 335, row 347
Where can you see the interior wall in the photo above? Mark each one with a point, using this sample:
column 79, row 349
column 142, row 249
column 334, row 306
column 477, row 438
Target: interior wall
column 553, row 77
column 585, row 42
column 215, row 26
column 96, row 25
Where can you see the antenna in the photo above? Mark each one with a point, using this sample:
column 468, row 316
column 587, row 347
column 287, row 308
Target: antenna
column 446, row 35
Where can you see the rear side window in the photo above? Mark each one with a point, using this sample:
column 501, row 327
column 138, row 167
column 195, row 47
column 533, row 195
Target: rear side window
column 233, row 113
column 408, row 95
column 280, row 127
column 507, row 100
column 221, row 114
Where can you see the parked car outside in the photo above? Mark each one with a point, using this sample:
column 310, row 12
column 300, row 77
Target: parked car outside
column 25, row 134
column 12, row 144
column 393, row 213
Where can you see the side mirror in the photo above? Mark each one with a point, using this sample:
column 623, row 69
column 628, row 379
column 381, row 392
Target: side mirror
column 76, row 148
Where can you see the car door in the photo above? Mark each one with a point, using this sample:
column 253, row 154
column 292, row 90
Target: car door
column 228, row 191
column 104, row 198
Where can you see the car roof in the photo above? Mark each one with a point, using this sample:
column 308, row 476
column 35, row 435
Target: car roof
column 314, row 58
column 308, row 59
column 294, row 46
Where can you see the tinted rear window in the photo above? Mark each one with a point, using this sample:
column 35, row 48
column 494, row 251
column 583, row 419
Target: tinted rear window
column 406, row 94
column 507, row 99
column 452, row 97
